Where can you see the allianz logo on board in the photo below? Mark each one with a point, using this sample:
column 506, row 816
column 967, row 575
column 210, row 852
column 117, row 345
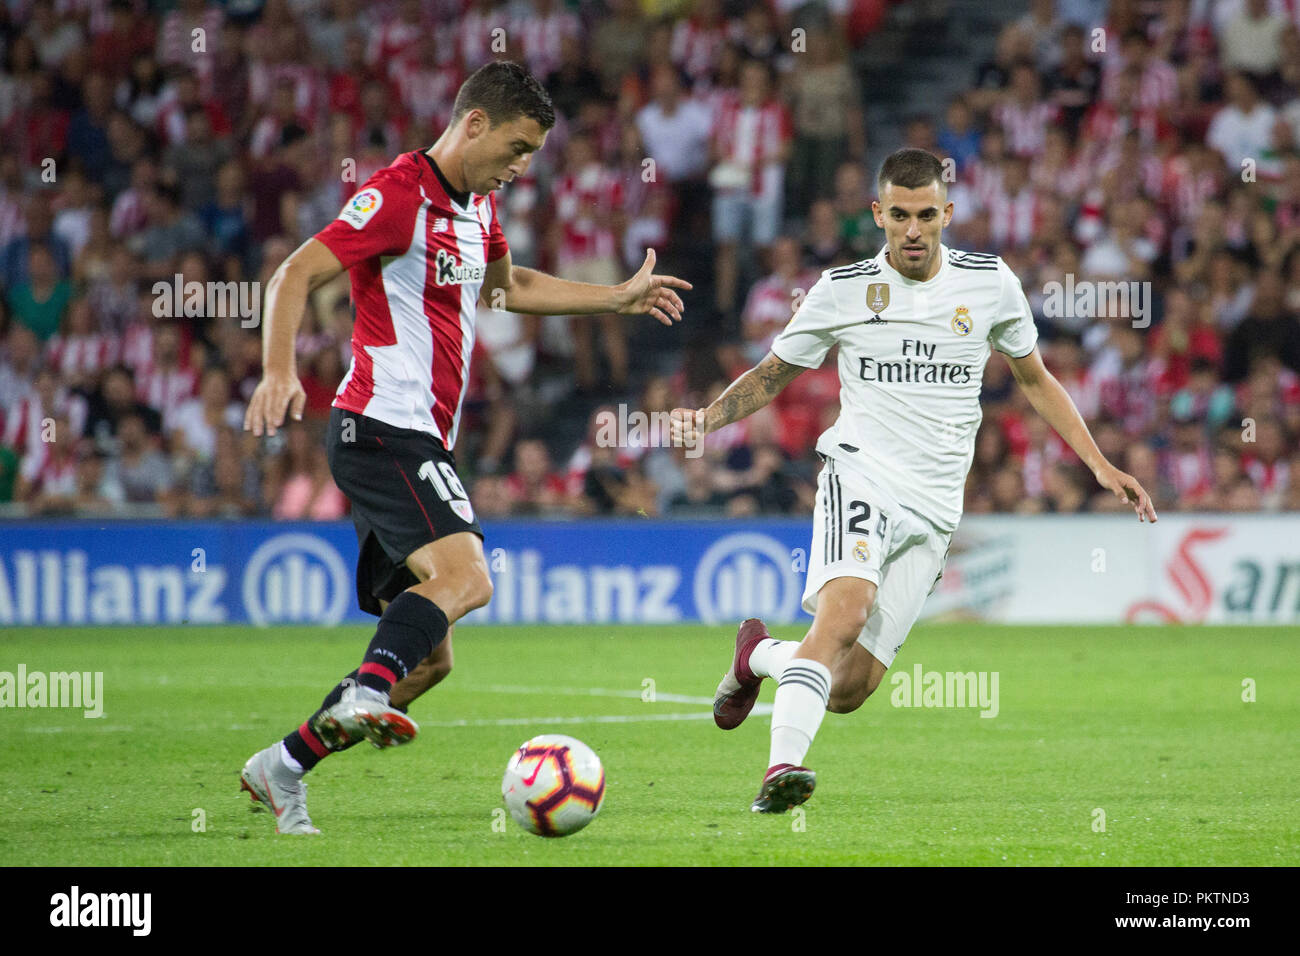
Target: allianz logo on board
column 748, row 574
column 290, row 578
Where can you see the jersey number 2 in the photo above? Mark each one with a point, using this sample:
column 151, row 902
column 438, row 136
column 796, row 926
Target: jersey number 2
column 861, row 515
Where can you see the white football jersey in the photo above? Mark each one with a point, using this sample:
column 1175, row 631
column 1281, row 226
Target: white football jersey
column 911, row 361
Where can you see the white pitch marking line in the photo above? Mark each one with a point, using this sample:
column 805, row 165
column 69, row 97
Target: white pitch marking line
column 57, row 729
column 593, row 692
column 759, row 709
column 594, row 719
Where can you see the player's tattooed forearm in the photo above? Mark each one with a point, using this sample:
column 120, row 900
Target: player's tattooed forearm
column 751, row 391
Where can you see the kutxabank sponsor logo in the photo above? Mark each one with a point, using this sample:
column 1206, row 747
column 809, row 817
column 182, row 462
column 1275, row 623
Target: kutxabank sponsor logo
column 748, row 574
column 295, row 578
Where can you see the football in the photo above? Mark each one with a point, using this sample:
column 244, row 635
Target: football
column 554, row 785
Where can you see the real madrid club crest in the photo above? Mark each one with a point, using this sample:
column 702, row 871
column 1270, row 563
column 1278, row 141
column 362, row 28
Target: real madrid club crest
column 861, row 552
column 877, row 299
column 961, row 321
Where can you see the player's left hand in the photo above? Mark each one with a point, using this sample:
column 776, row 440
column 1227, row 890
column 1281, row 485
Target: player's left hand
column 1126, row 488
column 648, row 294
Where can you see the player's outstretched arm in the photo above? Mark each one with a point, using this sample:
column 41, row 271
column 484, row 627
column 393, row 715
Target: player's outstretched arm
column 746, row 395
column 530, row 292
column 1053, row 402
column 311, row 265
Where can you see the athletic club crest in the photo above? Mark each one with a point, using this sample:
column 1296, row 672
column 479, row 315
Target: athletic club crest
column 878, row 297
column 961, row 321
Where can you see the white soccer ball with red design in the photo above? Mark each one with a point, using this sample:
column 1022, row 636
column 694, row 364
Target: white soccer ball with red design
column 554, row 785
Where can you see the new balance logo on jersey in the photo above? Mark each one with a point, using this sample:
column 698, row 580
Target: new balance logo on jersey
column 448, row 272
column 440, row 224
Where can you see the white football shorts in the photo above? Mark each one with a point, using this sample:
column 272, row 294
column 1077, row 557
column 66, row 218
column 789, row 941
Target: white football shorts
column 860, row 532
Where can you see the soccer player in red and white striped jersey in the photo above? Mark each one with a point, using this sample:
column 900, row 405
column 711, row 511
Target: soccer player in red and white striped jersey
column 423, row 244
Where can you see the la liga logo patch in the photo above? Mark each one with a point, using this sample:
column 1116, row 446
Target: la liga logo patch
column 361, row 208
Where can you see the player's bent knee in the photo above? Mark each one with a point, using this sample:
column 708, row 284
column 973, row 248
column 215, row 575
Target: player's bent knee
column 847, row 621
column 478, row 593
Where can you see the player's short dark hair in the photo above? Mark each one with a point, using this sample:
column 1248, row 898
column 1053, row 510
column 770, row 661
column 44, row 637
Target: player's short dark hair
column 911, row 168
column 504, row 90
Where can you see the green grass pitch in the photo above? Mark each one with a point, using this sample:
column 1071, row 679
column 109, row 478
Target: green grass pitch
column 1147, row 725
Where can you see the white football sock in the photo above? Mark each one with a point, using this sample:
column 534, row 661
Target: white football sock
column 800, row 705
column 290, row 764
column 769, row 658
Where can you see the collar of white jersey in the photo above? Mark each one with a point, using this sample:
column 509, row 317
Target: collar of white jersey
column 896, row 276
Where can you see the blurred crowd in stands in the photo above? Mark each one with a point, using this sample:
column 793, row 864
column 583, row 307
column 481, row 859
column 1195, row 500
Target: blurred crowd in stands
column 1149, row 142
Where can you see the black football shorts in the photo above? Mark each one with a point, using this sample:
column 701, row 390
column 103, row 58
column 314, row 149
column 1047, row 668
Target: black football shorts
column 404, row 492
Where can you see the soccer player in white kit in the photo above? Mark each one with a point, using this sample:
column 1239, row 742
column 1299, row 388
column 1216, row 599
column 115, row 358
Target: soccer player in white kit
column 914, row 327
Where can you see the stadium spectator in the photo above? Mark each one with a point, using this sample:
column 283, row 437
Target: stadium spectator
column 585, row 235
column 138, row 465
column 533, row 486
column 674, row 128
column 79, row 353
column 1241, row 129
column 195, row 161
column 40, row 301
column 226, row 485
column 197, row 422
column 750, row 148
column 1139, row 176
column 1251, row 41
column 958, row 138
column 826, row 106
column 1268, row 330
column 772, row 299
column 171, row 232
column 617, row 42
column 823, row 241
column 38, row 231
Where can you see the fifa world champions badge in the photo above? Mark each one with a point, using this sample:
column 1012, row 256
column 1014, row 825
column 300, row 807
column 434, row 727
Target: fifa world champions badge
column 878, row 297
column 961, row 321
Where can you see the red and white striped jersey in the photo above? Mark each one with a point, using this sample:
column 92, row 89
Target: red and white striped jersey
column 427, row 93
column 753, row 136
column 24, row 424
column 697, row 46
column 1104, row 126
column 542, row 37
column 51, row 474
column 1157, row 88
column 176, row 39
column 137, row 347
column 474, row 36
column 166, row 389
column 77, row 355
column 1187, row 190
column 393, row 40
column 1026, row 126
column 770, row 305
column 417, row 259
column 585, row 202
column 1191, row 473
column 1014, row 218
column 128, row 215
